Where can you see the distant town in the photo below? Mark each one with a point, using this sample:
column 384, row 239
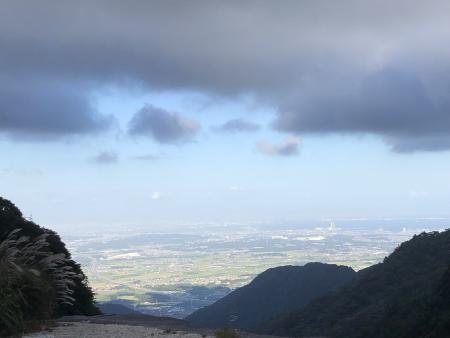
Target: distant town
column 176, row 272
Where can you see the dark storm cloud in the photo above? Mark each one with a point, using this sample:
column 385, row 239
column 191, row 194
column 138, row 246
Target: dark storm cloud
column 415, row 143
column 43, row 112
column 162, row 126
column 394, row 104
column 236, row 126
column 324, row 66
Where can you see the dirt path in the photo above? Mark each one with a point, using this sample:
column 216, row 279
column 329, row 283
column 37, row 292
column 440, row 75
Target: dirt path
column 89, row 330
column 127, row 326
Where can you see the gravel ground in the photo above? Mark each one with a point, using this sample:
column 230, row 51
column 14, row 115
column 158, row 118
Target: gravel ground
column 128, row 326
column 89, row 330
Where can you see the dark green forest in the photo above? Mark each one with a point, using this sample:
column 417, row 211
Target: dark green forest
column 405, row 296
column 271, row 293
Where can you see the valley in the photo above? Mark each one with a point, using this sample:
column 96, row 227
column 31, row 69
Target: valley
column 179, row 270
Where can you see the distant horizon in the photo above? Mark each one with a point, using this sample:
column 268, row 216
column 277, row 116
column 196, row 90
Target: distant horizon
column 439, row 223
column 422, row 224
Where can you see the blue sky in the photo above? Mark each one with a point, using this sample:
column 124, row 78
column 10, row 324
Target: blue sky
column 311, row 111
column 217, row 176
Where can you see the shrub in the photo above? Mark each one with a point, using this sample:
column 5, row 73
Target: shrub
column 228, row 333
column 33, row 281
column 11, row 218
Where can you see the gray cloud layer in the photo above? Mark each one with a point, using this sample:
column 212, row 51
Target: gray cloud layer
column 352, row 66
column 106, row 157
column 392, row 103
column 237, row 126
column 38, row 111
column 162, row 126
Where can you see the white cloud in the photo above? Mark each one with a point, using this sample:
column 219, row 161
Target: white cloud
column 106, row 157
column 414, row 194
column 156, row 195
column 288, row 148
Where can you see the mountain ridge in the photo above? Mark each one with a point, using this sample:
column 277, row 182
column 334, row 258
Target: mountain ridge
column 395, row 298
column 272, row 292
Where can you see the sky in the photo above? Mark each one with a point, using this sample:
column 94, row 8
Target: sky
column 169, row 112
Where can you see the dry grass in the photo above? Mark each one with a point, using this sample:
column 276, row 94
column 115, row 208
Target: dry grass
column 33, row 281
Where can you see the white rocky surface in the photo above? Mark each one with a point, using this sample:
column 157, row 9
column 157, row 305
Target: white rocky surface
column 89, row 330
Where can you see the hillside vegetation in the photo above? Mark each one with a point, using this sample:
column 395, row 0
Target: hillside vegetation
column 38, row 278
column 271, row 293
column 407, row 295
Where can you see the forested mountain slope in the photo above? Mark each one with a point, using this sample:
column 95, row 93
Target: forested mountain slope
column 407, row 295
column 272, row 292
